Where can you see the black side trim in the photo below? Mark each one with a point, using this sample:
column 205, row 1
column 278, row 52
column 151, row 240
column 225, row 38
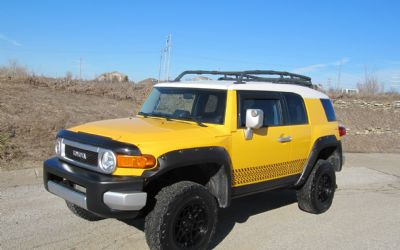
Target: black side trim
column 285, row 182
column 220, row 183
column 100, row 141
column 320, row 144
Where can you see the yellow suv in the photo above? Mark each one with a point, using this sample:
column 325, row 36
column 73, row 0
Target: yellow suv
column 194, row 146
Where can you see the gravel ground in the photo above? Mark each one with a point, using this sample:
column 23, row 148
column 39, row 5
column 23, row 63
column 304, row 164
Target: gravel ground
column 365, row 215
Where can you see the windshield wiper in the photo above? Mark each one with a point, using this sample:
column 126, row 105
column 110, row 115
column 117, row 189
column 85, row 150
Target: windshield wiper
column 194, row 119
column 145, row 115
column 169, row 118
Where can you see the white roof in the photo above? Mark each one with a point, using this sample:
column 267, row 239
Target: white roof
column 305, row 92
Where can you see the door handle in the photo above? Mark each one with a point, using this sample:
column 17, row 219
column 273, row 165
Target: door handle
column 285, row 139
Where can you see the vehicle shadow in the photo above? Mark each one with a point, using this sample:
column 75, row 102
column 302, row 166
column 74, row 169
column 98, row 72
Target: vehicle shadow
column 243, row 208
column 240, row 211
column 138, row 223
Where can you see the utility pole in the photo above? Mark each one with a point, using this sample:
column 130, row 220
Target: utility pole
column 165, row 60
column 159, row 70
column 80, row 69
column 169, row 48
column 339, row 74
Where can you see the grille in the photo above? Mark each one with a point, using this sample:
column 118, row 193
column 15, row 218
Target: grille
column 81, row 155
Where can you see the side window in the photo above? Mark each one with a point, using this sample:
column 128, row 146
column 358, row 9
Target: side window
column 210, row 107
column 329, row 111
column 271, row 107
column 296, row 109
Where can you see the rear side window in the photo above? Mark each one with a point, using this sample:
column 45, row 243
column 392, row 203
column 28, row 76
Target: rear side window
column 329, row 111
column 296, row 109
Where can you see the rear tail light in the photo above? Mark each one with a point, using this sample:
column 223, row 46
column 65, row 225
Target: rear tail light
column 342, row 130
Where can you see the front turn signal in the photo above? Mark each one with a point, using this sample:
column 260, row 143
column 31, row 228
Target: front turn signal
column 136, row 161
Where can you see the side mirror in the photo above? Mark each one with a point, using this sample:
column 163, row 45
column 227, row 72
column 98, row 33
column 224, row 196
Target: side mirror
column 254, row 120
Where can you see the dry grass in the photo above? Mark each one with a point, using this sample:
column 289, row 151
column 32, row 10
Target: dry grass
column 31, row 113
column 119, row 91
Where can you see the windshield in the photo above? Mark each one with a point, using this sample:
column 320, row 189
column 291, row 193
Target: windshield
column 200, row 105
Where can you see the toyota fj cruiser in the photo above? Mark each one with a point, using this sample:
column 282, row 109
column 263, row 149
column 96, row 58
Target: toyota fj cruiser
column 196, row 145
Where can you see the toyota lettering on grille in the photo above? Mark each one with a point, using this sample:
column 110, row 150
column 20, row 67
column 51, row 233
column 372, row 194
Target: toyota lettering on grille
column 79, row 154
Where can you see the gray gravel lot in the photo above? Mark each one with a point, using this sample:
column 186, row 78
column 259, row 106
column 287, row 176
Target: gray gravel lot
column 365, row 215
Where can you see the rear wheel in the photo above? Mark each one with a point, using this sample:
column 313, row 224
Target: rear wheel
column 184, row 217
column 317, row 194
column 82, row 213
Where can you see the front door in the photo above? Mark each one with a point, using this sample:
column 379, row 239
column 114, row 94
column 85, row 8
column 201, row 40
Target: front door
column 266, row 156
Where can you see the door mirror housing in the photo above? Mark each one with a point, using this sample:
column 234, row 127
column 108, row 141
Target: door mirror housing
column 254, row 120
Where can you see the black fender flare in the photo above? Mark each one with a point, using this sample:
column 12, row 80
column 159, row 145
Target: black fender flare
column 219, row 184
column 319, row 145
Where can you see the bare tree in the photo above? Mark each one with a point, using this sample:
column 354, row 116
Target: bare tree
column 370, row 85
column 16, row 70
column 68, row 76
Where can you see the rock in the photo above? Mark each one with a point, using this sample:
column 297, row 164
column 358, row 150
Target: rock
column 112, row 77
column 340, row 102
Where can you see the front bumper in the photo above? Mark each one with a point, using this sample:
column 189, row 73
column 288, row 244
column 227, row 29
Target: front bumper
column 105, row 195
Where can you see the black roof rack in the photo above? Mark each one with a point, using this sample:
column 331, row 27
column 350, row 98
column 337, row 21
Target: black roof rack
column 253, row 76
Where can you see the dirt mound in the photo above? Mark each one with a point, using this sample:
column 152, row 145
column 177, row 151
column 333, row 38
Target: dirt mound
column 372, row 123
column 33, row 109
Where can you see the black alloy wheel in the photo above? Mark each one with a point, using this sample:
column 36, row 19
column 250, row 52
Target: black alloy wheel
column 191, row 224
column 316, row 195
column 325, row 188
column 184, row 217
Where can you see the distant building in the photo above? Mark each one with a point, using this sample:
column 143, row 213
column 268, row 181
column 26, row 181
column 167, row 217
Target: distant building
column 112, row 77
column 350, row 91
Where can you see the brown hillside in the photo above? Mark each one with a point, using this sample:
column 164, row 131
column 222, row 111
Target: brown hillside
column 32, row 110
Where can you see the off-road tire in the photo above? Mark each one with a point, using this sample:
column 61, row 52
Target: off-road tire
column 316, row 195
column 182, row 209
column 82, row 213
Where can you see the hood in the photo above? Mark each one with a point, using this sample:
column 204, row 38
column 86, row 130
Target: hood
column 142, row 131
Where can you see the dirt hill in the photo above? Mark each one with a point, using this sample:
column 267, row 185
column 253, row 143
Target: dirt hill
column 32, row 110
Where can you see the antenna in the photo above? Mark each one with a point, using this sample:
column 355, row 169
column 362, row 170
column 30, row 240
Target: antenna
column 165, row 60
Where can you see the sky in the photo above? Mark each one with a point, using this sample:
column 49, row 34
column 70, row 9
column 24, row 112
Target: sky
column 334, row 42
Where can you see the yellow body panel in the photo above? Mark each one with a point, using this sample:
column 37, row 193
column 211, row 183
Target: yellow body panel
column 155, row 136
column 254, row 159
column 259, row 159
column 319, row 123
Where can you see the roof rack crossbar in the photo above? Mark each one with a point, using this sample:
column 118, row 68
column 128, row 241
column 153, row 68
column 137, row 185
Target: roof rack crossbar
column 252, row 75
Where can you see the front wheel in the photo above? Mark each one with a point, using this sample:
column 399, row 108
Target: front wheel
column 184, row 217
column 317, row 193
